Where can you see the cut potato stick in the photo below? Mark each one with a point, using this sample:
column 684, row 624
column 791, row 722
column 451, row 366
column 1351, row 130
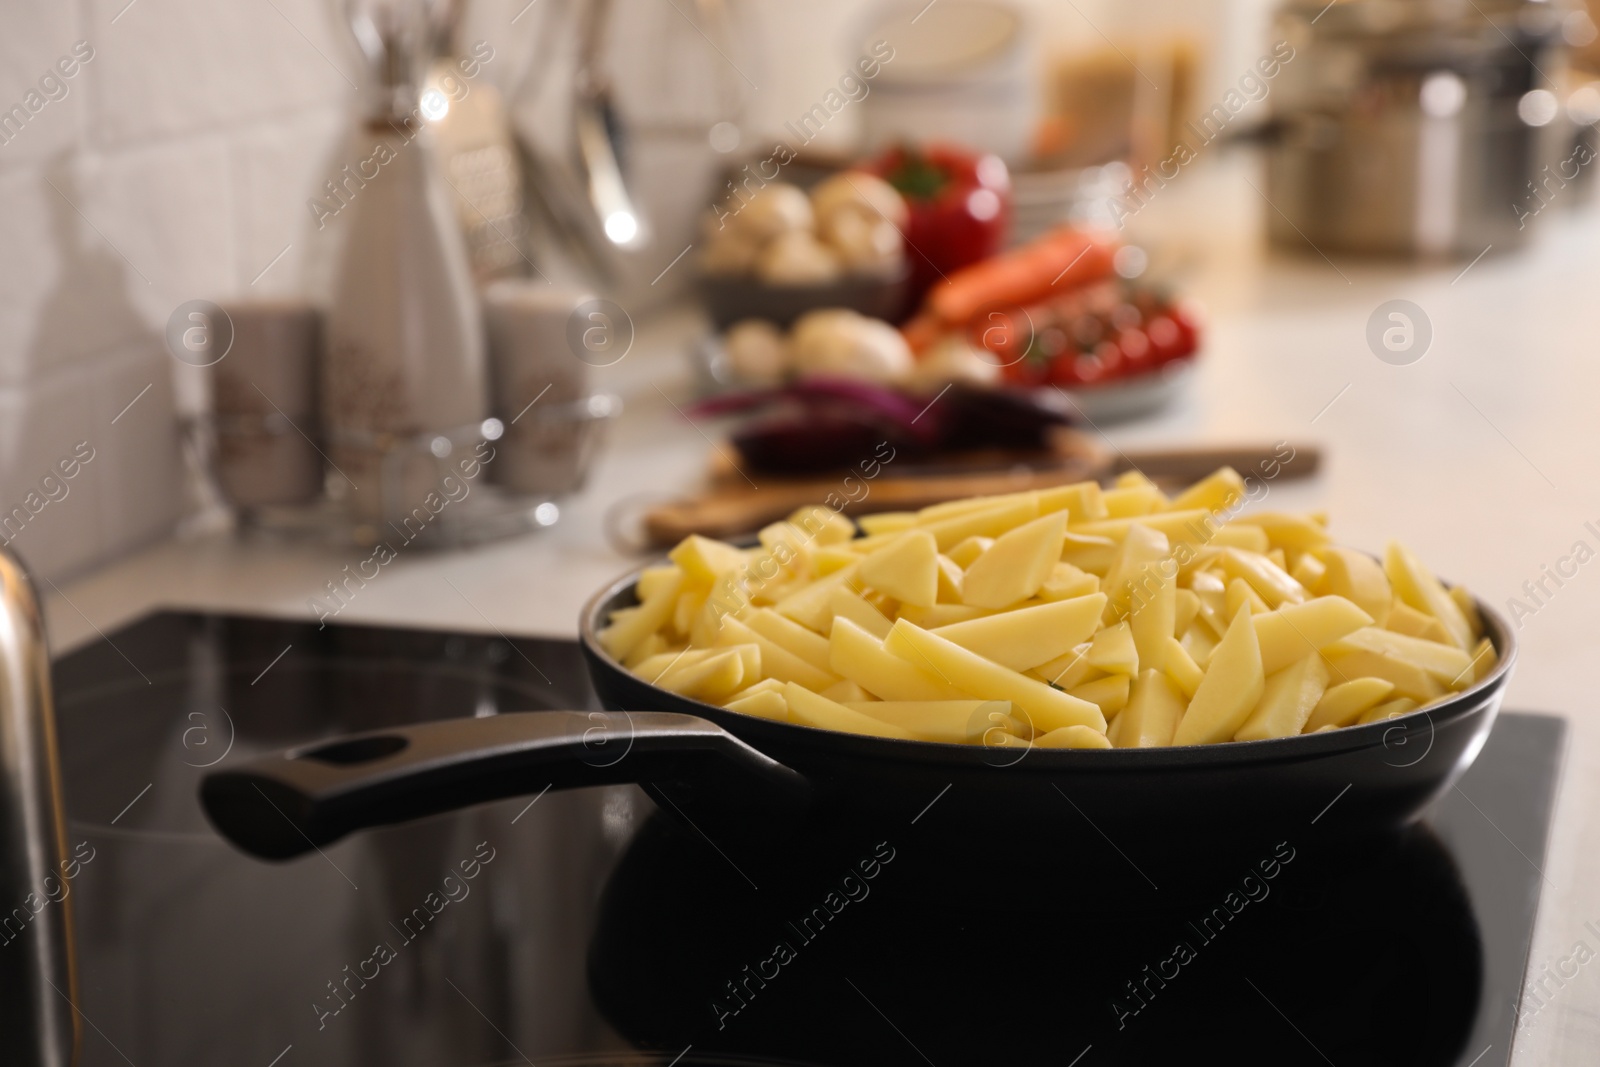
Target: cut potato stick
column 1287, row 700
column 1445, row 663
column 1017, row 564
column 951, row 722
column 1293, row 632
column 1028, row 637
column 776, row 661
column 1230, row 690
column 860, row 657
column 1346, row 702
column 810, row 709
column 1073, row 737
column 809, row 646
column 1043, row 707
column 620, row 637
column 1109, row 694
column 763, row 705
column 1151, row 717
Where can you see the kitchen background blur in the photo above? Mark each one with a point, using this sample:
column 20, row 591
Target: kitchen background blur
column 185, row 156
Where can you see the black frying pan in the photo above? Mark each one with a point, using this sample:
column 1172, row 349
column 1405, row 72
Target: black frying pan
column 749, row 775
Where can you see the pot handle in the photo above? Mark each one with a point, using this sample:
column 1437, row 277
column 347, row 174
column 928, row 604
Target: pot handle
column 287, row 804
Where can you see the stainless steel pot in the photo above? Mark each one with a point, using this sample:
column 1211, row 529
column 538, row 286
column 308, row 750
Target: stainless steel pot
column 1417, row 127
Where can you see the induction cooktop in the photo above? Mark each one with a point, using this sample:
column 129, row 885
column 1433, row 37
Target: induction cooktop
column 586, row 927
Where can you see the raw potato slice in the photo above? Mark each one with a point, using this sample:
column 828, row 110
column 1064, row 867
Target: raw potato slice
column 969, row 550
column 766, row 685
column 1195, row 527
column 1218, row 491
column 1409, row 681
column 1287, row 700
column 1291, row 532
column 1401, row 706
column 950, row 722
column 1483, row 660
column 1028, row 637
column 1346, row 702
column 1186, row 605
column 620, row 638
column 1114, row 652
column 846, row 603
column 811, row 647
column 1109, row 694
column 887, row 522
column 1131, row 501
column 704, row 560
column 1141, row 547
column 1016, row 565
column 1154, row 615
column 763, row 705
column 907, row 569
column 1066, row 582
column 949, row 581
column 1416, row 585
column 1241, row 537
column 712, row 679
column 830, row 558
column 650, row 646
column 1309, row 571
column 860, row 657
column 1151, row 717
column 1070, row 670
column 653, row 578
column 942, row 615
column 1241, row 597
column 1405, row 619
column 809, row 709
column 1082, row 501
column 1469, row 610
column 776, row 661
column 1039, row 705
column 991, row 522
column 1182, row 669
column 846, row 692
column 1444, row 663
column 1230, row 690
column 1269, row 581
column 823, row 525
column 1358, row 578
column 1294, row 632
column 809, row 606
column 1073, row 737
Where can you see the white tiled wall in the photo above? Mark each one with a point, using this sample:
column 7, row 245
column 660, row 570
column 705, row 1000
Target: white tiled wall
column 175, row 167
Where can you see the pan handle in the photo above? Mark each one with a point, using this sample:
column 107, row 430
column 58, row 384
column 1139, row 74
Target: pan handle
column 287, row 804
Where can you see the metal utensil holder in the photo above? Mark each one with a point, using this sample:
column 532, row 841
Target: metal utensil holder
column 463, row 509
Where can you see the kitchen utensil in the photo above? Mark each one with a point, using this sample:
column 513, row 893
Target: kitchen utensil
column 1412, row 129
column 38, row 988
column 477, row 152
column 730, row 506
column 264, row 396
column 744, row 775
column 404, row 336
column 600, row 139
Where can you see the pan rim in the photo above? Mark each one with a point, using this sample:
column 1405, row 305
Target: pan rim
column 1279, row 750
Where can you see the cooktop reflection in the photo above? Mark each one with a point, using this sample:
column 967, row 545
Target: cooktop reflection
column 588, row 928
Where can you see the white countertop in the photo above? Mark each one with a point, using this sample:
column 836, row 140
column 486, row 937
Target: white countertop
column 1484, row 457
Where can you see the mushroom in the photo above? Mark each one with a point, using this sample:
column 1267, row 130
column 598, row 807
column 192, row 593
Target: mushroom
column 797, row 258
column 842, row 343
column 757, row 351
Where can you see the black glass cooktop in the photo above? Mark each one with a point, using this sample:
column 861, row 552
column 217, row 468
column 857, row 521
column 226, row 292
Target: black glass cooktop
column 588, row 928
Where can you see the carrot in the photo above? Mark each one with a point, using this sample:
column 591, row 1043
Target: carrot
column 921, row 332
column 1061, row 259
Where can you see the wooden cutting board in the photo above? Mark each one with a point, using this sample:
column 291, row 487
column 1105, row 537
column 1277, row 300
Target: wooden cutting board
column 737, row 502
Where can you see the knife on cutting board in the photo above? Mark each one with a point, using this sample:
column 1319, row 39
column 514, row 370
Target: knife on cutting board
column 737, row 502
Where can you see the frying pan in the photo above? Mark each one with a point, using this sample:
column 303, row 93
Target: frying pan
column 740, row 775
